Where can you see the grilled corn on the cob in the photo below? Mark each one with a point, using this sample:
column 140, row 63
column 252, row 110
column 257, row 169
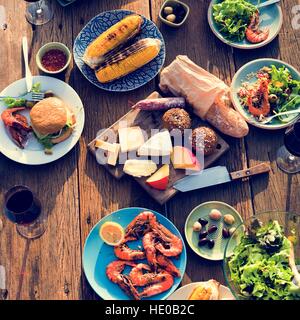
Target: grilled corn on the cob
column 111, row 39
column 128, row 60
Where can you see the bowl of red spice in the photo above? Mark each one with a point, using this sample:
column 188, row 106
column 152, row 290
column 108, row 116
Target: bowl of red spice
column 53, row 57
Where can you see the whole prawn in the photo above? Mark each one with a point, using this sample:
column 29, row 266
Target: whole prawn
column 140, row 279
column 265, row 109
column 17, row 125
column 167, row 265
column 114, row 273
column 169, row 244
column 149, row 246
column 164, row 282
column 139, row 226
column 123, row 252
column 253, row 33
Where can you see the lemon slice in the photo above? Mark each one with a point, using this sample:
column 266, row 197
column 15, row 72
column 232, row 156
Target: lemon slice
column 112, row 233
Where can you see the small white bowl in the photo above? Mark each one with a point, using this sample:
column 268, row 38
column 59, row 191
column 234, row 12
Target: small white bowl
column 49, row 46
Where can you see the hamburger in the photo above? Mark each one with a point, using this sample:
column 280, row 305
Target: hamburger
column 52, row 122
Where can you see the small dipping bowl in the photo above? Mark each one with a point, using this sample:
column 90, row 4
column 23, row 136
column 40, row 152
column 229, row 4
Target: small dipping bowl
column 53, row 46
column 176, row 6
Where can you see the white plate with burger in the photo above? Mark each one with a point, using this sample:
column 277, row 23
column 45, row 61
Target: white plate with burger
column 208, row 290
column 54, row 125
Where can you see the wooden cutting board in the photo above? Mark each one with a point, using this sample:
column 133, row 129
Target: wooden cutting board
column 147, row 121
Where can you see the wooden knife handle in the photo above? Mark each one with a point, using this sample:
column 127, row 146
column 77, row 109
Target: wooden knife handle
column 258, row 169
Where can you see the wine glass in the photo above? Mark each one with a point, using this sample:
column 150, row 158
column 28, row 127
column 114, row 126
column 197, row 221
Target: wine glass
column 38, row 12
column 23, row 208
column 288, row 156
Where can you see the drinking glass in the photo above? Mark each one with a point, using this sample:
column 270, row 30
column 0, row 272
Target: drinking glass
column 288, row 156
column 38, row 12
column 22, row 207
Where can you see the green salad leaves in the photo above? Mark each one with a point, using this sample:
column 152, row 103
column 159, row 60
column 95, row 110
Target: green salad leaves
column 285, row 89
column 259, row 266
column 232, row 18
column 20, row 102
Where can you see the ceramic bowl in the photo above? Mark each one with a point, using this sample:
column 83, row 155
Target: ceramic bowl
column 290, row 222
column 49, row 46
column 172, row 3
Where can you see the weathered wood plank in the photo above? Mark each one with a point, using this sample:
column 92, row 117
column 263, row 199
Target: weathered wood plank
column 196, row 40
column 50, row 267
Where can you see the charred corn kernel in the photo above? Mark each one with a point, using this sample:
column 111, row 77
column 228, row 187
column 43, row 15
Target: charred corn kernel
column 111, row 39
column 129, row 60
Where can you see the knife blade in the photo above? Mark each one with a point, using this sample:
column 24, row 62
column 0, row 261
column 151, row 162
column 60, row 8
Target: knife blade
column 28, row 75
column 217, row 175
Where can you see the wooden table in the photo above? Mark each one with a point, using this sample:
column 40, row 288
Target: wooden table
column 76, row 192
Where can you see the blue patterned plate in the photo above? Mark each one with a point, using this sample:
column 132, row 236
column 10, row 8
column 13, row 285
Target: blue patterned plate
column 97, row 255
column 101, row 23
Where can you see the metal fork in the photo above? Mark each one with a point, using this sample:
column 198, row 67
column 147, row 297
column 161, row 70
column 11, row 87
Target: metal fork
column 269, row 119
column 30, row 96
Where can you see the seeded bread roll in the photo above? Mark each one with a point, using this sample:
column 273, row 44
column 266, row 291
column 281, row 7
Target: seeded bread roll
column 176, row 118
column 204, row 140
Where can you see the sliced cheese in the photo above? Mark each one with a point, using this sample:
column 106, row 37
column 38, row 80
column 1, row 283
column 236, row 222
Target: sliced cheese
column 158, row 145
column 130, row 138
column 139, row 168
column 183, row 158
column 112, row 149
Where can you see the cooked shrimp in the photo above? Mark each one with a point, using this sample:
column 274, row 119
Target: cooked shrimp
column 265, row 109
column 169, row 244
column 253, row 33
column 140, row 279
column 139, row 226
column 167, row 265
column 9, row 118
column 165, row 282
column 149, row 246
column 17, row 125
column 114, row 273
column 123, row 252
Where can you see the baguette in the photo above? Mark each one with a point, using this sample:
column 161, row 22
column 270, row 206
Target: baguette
column 226, row 119
column 112, row 38
column 208, row 95
column 128, row 60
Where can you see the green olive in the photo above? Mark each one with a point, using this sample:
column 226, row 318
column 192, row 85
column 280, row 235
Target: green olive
column 29, row 104
column 168, row 10
column 273, row 98
column 171, row 17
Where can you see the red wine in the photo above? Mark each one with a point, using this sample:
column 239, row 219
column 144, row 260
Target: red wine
column 292, row 139
column 21, row 206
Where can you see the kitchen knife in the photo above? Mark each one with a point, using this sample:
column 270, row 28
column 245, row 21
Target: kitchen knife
column 28, row 75
column 217, row 175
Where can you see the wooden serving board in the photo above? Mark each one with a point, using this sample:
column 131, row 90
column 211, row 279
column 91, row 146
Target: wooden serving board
column 147, row 121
